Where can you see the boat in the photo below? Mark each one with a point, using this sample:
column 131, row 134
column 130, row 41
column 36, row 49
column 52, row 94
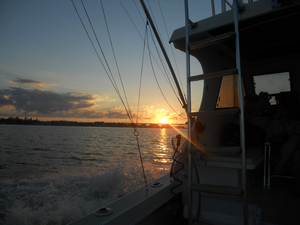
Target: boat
column 217, row 178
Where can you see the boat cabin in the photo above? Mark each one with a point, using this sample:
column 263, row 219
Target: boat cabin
column 269, row 54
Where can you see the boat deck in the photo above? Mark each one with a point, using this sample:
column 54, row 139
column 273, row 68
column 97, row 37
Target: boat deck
column 279, row 204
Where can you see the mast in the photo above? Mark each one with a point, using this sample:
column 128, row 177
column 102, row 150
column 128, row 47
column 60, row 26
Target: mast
column 183, row 102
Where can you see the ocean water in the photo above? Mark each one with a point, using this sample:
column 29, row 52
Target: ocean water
column 55, row 174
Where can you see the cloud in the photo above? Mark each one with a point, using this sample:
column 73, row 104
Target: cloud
column 28, row 82
column 44, row 102
column 14, row 101
column 5, row 100
column 117, row 114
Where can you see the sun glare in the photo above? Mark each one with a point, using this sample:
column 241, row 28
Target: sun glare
column 164, row 120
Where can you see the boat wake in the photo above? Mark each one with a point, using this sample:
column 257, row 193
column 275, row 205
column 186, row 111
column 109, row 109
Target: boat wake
column 62, row 198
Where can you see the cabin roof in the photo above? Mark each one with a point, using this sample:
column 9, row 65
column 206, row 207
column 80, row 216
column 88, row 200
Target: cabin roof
column 266, row 34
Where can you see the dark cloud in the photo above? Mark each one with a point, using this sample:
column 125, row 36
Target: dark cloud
column 29, row 82
column 44, row 102
column 90, row 114
column 116, row 114
column 4, row 100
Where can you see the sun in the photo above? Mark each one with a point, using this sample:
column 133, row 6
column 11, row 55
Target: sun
column 164, row 120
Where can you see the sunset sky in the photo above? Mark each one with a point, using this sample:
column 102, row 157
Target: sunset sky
column 49, row 69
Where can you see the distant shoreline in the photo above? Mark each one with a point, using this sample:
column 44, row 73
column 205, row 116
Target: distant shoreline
column 17, row 121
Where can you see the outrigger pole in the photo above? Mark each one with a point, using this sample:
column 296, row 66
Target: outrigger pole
column 183, row 102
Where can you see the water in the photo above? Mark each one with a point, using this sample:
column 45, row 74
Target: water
column 55, row 174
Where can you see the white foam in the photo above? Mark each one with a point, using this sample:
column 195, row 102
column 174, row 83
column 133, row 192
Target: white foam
column 60, row 199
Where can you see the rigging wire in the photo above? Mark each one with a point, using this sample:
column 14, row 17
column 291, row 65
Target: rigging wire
column 107, row 73
column 140, row 33
column 111, row 44
column 168, row 35
column 166, row 78
column 165, row 74
column 87, row 15
column 141, row 76
column 92, row 42
column 158, row 82
column 171, row 85
column 136, row 133
column 154, row 20
column 110, row 75
column 159, row 33
column 138, row 11
column 137, row 116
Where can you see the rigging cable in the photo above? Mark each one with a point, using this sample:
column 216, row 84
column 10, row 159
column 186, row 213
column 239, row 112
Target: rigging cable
column 168, row 35
column 137, row 117
column 142, row 37
column 111, row 74
column 148, row 46
column 167, row 74
column 158, row 83
column 107, row 73
column 136, row 133
column 161, row 61
column 92, row 43
column 115, row 58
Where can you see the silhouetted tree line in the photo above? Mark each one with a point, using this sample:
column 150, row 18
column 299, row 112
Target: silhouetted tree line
column 17, row 120
column 30, row 121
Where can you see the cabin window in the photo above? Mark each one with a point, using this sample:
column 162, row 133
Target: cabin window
column 228, row 94
column 273, row 84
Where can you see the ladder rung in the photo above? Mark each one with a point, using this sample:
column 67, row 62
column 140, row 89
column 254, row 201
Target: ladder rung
column 214, row 74
column 225, row 149
column 220, row 189
column 216, row 112
column 212, row 40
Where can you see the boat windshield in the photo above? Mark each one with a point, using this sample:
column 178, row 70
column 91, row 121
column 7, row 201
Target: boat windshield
column 273, row 84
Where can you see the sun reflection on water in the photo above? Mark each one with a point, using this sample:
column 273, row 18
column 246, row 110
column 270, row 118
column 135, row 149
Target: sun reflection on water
column 163, row 154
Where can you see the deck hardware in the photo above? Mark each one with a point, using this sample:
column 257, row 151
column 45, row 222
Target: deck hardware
column 193, row 25
column 103, row 211
column 156, row 184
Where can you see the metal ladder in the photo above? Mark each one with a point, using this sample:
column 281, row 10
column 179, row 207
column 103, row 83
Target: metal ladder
column 237, row 5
